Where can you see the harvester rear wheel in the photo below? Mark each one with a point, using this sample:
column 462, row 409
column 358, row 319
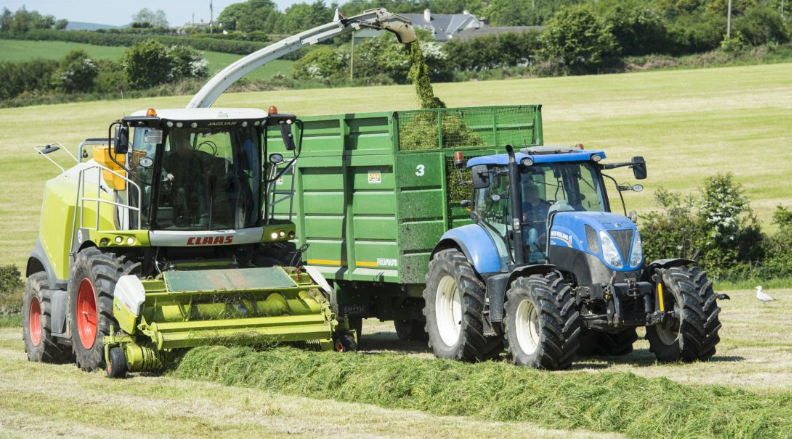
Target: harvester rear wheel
column 411, row 330
column 91, row 286
column 37, row 322
column 118, row 364
column 541, row 322
column 454, row 310
column 691, row 336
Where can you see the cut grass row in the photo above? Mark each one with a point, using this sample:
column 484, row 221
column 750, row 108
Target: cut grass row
column 609, row 402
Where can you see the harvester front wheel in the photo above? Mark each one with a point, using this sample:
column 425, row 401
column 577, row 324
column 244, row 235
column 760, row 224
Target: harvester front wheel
column 541, row 322
column 37, row 322
column 118, row 363
column 693, row 333
column 454, row 310
column 346, row 343
column 91, row 286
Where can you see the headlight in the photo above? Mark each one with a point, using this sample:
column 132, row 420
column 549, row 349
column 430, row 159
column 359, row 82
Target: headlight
column 609, row 251
column 637, row 251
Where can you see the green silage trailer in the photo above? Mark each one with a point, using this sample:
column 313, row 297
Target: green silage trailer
column 374, row 192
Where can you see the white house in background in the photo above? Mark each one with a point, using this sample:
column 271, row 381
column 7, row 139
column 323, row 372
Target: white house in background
column 442, row 26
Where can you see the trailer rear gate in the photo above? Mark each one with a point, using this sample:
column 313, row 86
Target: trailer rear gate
column 374, row 193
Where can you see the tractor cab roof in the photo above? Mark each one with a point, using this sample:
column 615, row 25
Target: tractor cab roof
column 204, row 114
column 539, row 154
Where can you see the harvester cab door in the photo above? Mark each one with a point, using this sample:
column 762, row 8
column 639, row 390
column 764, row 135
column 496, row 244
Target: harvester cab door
column 282, row 143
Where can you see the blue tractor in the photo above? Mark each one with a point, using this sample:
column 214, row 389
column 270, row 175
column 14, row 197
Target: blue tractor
column 547, row 268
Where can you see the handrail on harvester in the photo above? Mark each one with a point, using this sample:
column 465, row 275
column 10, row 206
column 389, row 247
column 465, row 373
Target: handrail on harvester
column 373, row 18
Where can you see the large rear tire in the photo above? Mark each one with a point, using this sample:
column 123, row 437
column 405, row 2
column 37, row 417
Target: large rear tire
column 541, row 322
column 693, row 335
column 91, row 286
column 454, row 310
column 411, row 330
column 40, row 345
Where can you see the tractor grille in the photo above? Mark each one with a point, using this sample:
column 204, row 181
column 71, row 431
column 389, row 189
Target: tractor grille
column 623, row 240
column 592, row 240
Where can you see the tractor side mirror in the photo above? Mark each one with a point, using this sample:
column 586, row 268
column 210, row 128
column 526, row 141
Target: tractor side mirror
column 121, row 144
column 639, row 168
column 480, row 176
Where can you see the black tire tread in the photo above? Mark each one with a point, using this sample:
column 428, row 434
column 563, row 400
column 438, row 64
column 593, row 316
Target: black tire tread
column 48, row 351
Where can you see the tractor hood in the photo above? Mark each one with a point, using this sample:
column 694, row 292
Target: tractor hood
column 612, row 238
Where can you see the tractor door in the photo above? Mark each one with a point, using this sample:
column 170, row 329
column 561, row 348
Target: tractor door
column 493, row 210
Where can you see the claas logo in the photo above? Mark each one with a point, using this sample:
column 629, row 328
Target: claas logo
column 210, row 240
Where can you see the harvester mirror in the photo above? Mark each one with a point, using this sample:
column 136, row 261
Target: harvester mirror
column 639, row 168
column 276, row 158
column 480, row 176
column 121, row 144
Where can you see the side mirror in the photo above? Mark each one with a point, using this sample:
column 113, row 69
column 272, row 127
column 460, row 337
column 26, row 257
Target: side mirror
column 287, row 136
column 480, row 176
column 276, row 158
column 121, row 144
column 639, row 168
column 465, row 203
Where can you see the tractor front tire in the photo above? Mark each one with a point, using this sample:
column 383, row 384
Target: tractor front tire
column 411, row 330
column 541, row 322
column 40, row 346
column 454, row 310
column 693, row 334
column 91, row 287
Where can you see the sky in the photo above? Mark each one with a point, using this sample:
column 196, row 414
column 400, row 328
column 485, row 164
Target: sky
column 120, row 12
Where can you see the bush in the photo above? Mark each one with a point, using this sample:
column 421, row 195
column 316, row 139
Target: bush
column 493, row 51
column 11, row 288
column 696, row 33
column 25, row 77
column 637, row 26
column 76, row 73
column 323, row 63
column 761, row 25
column 579, row 38
column 147, row 64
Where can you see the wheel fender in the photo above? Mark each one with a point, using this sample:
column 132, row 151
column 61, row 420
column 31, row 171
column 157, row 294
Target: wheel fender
column 38, row 261
column 666, row 263
column 527, row 270
column 476, row 244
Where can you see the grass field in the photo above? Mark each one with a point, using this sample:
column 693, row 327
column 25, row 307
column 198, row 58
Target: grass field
column 752, row 370
column 688, row 125
column 21, row 50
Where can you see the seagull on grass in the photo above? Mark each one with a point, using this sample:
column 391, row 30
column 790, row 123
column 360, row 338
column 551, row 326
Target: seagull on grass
column 763, row 297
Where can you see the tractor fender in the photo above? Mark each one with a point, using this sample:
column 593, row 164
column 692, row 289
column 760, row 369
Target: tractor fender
column 666, row 263
column 38, row 261
column 498, row 284
column 476, row 244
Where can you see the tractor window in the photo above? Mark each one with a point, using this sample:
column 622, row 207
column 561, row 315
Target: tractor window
column 492, row 203
column 570, row 186
column 209, row 179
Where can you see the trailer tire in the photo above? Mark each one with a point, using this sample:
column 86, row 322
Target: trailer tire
column 455, row 328
column 694, row 335
column 411, row 330
column 615, row 345
column 40, row 345
column 91, row 287
column 541, row 323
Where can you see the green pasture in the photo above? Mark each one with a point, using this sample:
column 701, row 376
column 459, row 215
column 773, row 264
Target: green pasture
column 20, row 50
column 688, row 124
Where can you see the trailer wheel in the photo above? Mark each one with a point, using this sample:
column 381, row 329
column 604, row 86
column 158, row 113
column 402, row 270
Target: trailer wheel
column 91, row 286
column 37, row 322
column 118, row 363
column 454, row 310
column 693, row 334
column 541, row 322
column 411, row 330
column 615, row 345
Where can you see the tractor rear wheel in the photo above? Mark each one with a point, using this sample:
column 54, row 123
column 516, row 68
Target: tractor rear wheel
column 454, row 310
column 411, row 330
column 693, row 333
column 37, row 322
column 91, row 287
column 541, row 322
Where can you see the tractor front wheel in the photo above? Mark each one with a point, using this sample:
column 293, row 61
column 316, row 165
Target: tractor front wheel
column 691, row 335
column 541, row 322
column 454, row 310
column 91, row 287
column 37, row 322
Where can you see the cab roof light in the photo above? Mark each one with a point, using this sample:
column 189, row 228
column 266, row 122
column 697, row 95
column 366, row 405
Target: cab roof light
column 151, row 112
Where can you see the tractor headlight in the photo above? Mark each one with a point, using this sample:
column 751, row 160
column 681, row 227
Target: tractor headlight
column 637, row 251
column 609, row 251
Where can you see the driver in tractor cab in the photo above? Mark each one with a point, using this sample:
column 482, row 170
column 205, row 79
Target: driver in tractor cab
column 534, row 216
column 184, row 170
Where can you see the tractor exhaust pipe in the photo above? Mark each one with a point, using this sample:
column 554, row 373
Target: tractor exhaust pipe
column 516, row 207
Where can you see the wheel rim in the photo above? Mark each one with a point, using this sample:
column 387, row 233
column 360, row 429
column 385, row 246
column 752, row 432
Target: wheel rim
column 86, row 314
column 448, row 308
column 527, row 326
column 669, row 336
column 34, row 321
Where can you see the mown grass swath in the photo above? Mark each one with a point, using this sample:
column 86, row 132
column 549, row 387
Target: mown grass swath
column 615, row 402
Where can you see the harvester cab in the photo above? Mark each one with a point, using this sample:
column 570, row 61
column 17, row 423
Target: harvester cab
column 164, row 240
column 549, row 269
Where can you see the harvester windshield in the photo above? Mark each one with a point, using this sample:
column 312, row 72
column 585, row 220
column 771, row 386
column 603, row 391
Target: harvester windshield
column 203, row 178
